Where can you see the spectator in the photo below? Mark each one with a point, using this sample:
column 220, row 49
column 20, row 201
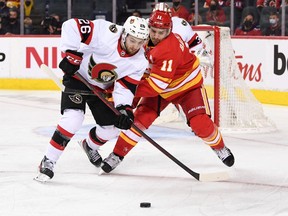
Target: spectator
column 28, row 26
column 59, row 25
column 191, row 17
column 51, row 25
column 221, row 3
column 274, row 28
column 239, row 4
column 179, row 10
column 13, row 3
column 248, row 26
column 137, row 13
column 28, row 5
column 12, row 25
column 1, row 29
column 238, row 9
column 215, row 15
column 268, row 3
column 4, row 10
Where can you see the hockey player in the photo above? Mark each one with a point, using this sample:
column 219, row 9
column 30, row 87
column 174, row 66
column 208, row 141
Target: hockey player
column 108, row 56
column 181, row 26
column 175, row 77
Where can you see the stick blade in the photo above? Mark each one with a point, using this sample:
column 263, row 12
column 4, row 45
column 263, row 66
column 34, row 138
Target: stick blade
column 212, row 177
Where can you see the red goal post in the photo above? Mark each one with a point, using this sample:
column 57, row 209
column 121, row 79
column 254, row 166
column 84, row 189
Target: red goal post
column 216, row 60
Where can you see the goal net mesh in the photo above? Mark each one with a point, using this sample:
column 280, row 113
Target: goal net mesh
column 233, row 105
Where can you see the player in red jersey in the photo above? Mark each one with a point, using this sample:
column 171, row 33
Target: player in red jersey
column 174, row 77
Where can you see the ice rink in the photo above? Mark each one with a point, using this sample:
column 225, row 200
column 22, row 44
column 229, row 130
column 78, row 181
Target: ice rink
column 258, row 183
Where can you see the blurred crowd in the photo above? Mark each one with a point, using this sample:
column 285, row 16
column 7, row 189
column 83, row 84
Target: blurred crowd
column 259, row 17
column 10, row 20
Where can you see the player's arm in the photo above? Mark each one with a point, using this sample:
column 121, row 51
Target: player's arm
column 123, row 94
column 195, row 43
column 74, row 32
column 124, row 91
column 197, row 47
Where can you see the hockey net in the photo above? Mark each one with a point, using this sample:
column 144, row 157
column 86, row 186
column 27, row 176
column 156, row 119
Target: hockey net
column 234, row 107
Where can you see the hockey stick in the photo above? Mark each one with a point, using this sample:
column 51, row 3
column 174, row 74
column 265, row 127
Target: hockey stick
column 58, row 81
column 219, row 176
column 52, row 75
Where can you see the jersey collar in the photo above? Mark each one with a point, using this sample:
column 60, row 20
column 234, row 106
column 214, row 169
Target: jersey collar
column 121, row 51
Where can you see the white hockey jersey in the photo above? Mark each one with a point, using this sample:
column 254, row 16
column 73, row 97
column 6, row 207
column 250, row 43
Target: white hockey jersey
column 104, row 62
column 183, row 28
column 194, row 42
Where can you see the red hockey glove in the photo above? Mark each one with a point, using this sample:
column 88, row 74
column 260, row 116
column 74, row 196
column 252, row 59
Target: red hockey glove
column 71, row 63
column 126, row 118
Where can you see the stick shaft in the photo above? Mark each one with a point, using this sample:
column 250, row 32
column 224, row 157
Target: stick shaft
column 53, row 76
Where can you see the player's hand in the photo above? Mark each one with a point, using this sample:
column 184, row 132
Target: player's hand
column 71, row 63
column 126, row 117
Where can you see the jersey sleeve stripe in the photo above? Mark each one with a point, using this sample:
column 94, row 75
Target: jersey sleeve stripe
column 85, row 28
column 188, row 85
column 125, row 82
column 154, row 85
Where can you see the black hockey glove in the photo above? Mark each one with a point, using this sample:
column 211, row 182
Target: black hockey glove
column 126, row 118
column 71, row 63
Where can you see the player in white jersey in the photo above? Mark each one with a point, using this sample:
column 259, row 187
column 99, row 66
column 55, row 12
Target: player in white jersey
column 111, row 58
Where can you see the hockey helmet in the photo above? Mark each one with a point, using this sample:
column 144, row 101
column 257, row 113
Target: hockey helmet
column 136, row 27
column 160, row 19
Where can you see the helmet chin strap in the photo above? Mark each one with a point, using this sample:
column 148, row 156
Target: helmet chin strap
column 168, row 33
column 123, row 41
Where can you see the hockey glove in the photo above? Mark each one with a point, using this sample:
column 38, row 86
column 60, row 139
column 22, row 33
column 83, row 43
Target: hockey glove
column 71, row 63
column 205, row 58
column 126, row 118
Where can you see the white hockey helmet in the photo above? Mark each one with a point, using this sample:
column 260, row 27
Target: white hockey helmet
column 137, row 27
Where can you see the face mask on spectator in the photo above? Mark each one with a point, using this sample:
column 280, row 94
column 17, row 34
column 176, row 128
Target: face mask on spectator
column 12, row 19
column 28, row 3
column 176, row 4
column 248, row 24
column 213, row 7
column 272, row 21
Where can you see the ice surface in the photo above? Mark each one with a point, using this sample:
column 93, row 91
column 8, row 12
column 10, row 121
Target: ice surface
column 258, row 183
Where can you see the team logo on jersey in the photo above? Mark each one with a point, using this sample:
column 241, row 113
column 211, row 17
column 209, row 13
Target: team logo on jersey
column 184, row 23
column 76, row 98
column 102, row 72
column 113, row 28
